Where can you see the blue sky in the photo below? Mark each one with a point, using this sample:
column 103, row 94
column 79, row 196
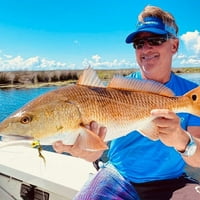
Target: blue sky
column 71, row 34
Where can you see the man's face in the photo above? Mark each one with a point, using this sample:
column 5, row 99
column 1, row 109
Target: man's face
column 154, row 55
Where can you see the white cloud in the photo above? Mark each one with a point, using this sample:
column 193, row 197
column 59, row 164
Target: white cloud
column 190, row 61
column 189, row 56
column 96, row 58
column 36, row 63
column 185, row 60
column 192, row 41
column 10, row 63
column 180, row 56
column 97, row 62
column 7, row 56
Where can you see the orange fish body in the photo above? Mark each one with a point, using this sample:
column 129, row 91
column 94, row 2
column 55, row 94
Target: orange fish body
column 123, row 106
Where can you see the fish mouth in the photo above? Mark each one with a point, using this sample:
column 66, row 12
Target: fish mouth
column 16, row 140
column 6, row 138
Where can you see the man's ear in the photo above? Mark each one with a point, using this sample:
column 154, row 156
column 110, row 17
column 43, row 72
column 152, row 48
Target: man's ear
column 175, row 45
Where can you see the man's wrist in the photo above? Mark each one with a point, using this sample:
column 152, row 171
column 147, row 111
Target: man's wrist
column 190, row 148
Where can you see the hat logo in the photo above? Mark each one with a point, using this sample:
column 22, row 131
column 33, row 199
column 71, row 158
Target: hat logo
column 149, row 22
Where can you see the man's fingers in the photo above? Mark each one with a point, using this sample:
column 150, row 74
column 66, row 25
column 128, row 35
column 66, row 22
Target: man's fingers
column 94, row 127
column 59, row 147
column 102, row 132
column 76, row 149
column 165, row 113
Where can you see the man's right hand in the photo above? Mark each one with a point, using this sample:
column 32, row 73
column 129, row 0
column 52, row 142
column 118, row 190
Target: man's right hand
column 75, row 149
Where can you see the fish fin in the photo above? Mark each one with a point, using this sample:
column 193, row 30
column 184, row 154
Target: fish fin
column 194, row 96
column 120, row 82
column 89, row 78
column 91, row 141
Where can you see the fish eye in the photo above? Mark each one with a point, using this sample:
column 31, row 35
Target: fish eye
column 194, row 97
column 25, row 119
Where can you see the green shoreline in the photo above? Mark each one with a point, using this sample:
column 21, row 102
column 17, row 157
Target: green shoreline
column 34, row 79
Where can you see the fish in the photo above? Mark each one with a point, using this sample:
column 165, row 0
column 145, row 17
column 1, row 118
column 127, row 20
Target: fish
column 122, row 106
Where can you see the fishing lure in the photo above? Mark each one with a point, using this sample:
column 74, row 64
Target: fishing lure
column 36, row 144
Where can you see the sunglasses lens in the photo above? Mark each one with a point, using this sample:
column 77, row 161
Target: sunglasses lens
column 152, row 41
column 156, row 41
column 138, row 44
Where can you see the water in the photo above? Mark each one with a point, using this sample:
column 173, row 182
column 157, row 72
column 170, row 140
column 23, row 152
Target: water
column 195, row 77
column 12, row 99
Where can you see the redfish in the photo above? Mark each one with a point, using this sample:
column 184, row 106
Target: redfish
column 122, row 106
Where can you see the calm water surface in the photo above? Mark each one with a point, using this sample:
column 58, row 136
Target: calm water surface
column 12, row 99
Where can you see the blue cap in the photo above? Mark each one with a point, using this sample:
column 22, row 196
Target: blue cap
column 152, row 25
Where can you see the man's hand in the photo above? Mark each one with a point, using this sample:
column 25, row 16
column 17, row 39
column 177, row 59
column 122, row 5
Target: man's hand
column 169, row 130
column 75, row 149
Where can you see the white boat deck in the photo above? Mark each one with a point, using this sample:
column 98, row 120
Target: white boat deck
column 62, row 176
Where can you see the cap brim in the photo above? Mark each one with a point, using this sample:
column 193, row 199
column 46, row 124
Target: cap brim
column 130, row 37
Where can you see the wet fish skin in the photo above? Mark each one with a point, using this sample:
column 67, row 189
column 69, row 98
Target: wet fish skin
column 61, row 114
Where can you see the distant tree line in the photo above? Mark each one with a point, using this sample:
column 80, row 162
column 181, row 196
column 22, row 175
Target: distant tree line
column 34, row 77
column 37, row 77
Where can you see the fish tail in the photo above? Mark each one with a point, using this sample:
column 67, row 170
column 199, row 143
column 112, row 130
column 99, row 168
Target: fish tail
column 194, row 97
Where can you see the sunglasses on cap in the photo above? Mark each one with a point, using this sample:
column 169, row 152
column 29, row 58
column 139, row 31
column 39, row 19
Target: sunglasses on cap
column 151, row 41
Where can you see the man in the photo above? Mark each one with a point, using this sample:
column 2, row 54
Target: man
column 138, row 167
